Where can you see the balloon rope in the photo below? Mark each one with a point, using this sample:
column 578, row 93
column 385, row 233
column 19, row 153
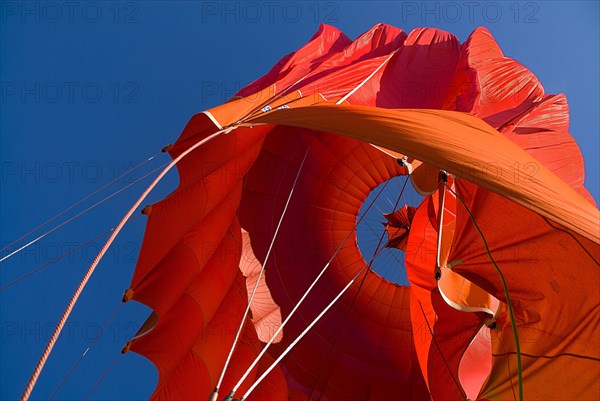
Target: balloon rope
column 90, row 271
column 80, row 201
column 508, row 301
column 103, row 376
column 367, row 78
column 313, row 323
column 331, row 348
column 82, row 213
column 239, row 331
column 110, row 318
column 260, row 106
column 297, row 305
column 285, row 90
column 55, row 260
column 401, row 196
column 440, row 233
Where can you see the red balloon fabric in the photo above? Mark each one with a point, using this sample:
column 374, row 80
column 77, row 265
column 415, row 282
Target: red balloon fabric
column 205, row 243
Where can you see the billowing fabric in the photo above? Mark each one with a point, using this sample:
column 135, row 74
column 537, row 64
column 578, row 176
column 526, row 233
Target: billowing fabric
column 553, row 277
column 266, row 314
column 398, row 227
column 345, row 116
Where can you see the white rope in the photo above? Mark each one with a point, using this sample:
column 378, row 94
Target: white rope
column 239, row 331
column 366, row 79
column 440, row 233
column 312, row 324
column 42, row 361
column 80, row 201
column 80, row 213
column 293, row 311
column 293, row 344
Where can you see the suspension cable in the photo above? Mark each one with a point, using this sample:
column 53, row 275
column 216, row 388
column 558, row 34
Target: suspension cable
column 394, row 207
column 311, row 325
column 401, row 196
column 301, row 300
column 103, row 376
column 331, row 348
column 377, row 251
column 82, row 213
column 90, row 271
column 110, row 318
column 215, row 393
column 31, row 273
column 55, row 260
column 124, row 174
column 506, row 294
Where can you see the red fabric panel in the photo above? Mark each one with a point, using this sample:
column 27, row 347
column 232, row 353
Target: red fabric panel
column 398, row 226
column 420, row 75
column 176, row 214
column 274, row 387
column 326, row 41
column 367, row 333
column 553, row 278
column 441, row 333
column 199, row 254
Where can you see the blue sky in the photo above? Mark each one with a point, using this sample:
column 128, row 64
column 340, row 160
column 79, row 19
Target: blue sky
column 91, row 88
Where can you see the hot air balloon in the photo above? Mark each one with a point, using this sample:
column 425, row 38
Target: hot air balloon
column 251, row 266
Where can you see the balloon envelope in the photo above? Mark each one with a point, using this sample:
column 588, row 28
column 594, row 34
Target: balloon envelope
column 309, row 126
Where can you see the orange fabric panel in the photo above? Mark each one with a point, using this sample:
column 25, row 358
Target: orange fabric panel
column 378, row 41
column 218, row 337
column 341, row 81
column 541, row 129
column 420, row 268
column 175, row 360
column 511, row 99
column 481, row 46
column 236, row 110
column 558, row 151
column 550, row 113
column 486, row 83
column 457, row 291
column 446, row 219
column 503, row 84
column 185, row 249
column 197, row 371
column 246, row 350
column 553, row 278
column 460, row 143
column 464, row 295
column 342, row 68
column 424, row 178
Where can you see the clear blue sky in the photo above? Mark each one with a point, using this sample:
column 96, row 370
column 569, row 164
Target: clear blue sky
column 88, row 88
